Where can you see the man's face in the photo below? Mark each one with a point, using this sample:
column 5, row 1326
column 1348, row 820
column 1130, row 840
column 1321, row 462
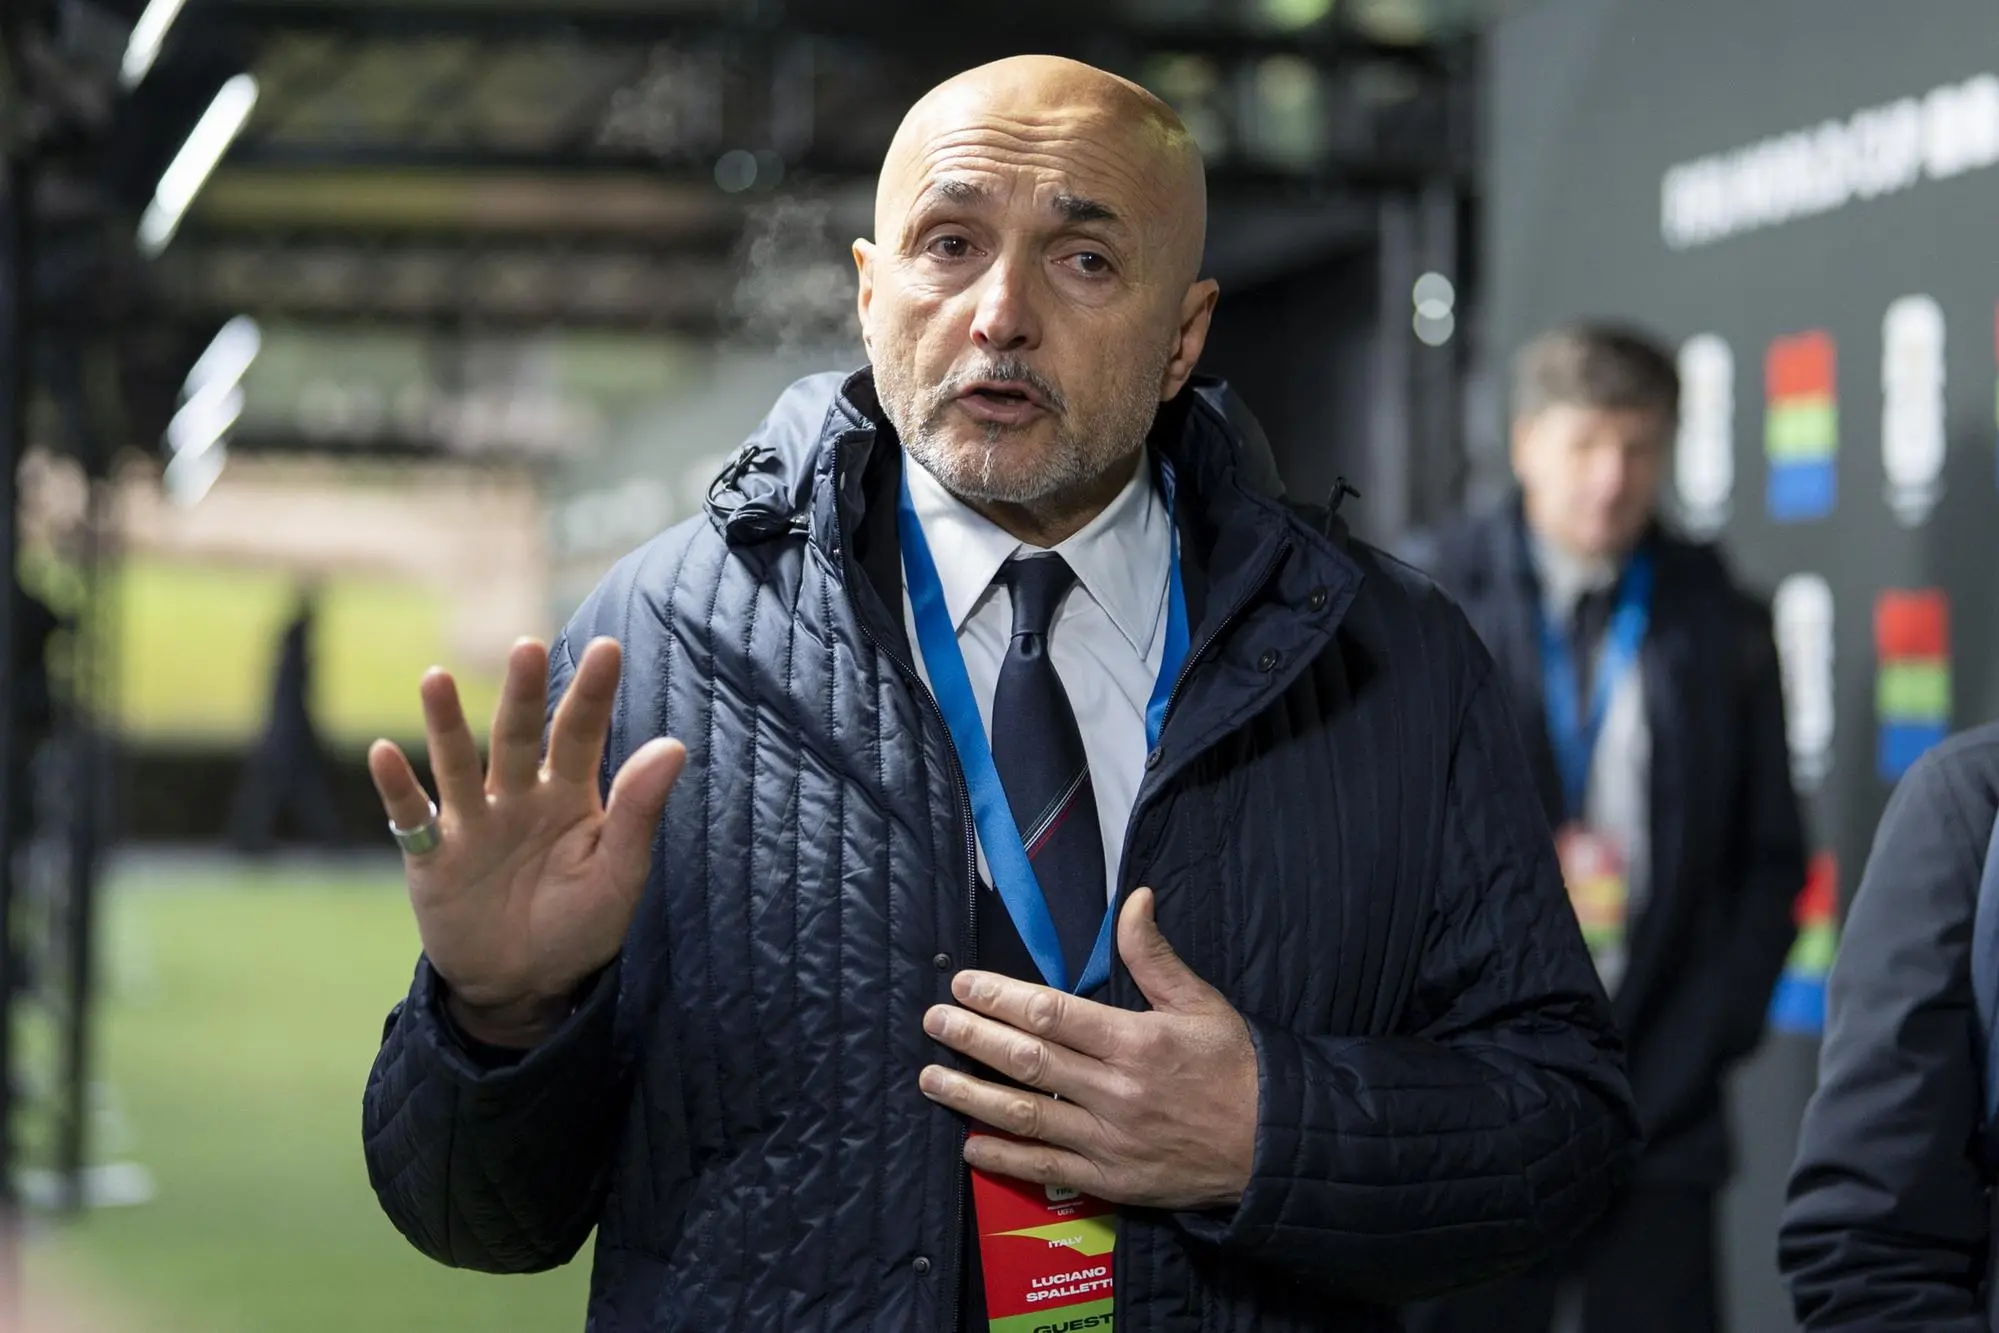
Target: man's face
column 1591, row 475
column 1026, row 301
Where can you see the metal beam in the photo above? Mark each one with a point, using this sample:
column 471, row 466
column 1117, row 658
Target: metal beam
column 907, row 30
column 475, row 203
column 819, row 170
column 430, row 280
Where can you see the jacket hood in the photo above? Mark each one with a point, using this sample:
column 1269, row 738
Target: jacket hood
column 766, row 488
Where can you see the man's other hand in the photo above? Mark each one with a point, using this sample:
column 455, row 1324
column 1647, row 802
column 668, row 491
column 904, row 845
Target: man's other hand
column 1153, row 1109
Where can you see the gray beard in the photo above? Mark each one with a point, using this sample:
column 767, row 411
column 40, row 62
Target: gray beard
column 975, row 477
column 1074, row 463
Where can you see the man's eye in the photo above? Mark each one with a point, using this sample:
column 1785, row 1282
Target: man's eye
column 1090, row 262
column 950, row 247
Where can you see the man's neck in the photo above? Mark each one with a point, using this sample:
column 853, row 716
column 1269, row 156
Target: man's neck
column 1052, row 520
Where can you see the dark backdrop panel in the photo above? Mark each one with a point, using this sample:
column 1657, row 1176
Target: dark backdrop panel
column 1592, row 103
column 1300, row 348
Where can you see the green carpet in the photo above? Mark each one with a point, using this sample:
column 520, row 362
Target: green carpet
column 238, row 1028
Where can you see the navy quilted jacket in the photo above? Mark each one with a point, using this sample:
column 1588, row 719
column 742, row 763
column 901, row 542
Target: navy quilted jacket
column 1338, row 822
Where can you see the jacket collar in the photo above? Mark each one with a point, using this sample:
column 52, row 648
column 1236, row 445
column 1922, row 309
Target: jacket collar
column 1267, row 583
column 825, row 463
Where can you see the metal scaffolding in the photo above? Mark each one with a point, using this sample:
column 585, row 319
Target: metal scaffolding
column 472, row 167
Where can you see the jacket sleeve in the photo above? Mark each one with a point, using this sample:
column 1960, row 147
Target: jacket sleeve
column 1769, row 846
column 1887, row 1222
column 491, row 1165
column 1396, row 1168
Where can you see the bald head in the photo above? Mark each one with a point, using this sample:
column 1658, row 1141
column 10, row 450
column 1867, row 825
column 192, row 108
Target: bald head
column 1030, row 295
column 1065, row 115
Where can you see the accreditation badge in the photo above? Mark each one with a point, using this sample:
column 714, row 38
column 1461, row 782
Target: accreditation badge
column 1593, row 868
column 1047, row 1255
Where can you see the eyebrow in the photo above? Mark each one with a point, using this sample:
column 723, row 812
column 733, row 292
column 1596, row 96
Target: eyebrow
column 1074, row 208
column 1077, row 208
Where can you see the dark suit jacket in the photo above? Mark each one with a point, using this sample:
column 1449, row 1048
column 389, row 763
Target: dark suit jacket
column 1728, row 846
column 1336, row 825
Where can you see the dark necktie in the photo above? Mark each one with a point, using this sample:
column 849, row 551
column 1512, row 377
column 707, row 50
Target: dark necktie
column 1587, row 626
column 1038, row 751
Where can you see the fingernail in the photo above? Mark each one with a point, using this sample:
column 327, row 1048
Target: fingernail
column 933, row 1081
column 934, row 1021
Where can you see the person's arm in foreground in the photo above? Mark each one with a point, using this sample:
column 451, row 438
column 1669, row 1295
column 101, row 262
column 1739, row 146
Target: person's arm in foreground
column 1388, row 1168
column 491, row 1116
column 1888, row 1221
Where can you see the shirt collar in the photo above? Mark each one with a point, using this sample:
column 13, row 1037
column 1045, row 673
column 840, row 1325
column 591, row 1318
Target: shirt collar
column 1121, row 556
column 1566, row 579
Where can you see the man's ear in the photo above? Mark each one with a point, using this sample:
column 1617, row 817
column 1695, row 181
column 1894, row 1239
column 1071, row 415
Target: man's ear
column 1197, row 312
column 1523, row 432
column 864, row 264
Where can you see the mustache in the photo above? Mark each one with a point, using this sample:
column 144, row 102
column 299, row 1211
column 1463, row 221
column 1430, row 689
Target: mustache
column 1006, row 370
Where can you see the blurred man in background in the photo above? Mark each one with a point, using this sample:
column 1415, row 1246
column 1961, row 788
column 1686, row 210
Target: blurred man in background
column 1648, row 687
column 287, row 771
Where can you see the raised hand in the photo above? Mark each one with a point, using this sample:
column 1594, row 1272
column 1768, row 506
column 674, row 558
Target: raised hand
column 534, row 878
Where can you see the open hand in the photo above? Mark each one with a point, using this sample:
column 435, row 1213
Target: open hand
column 535, row 879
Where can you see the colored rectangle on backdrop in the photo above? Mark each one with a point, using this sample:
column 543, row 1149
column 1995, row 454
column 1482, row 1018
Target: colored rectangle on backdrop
column 1798, row 1004
column 1801, row 429
column 1812, row 953
column 1798, row 492
column 1798, row 1007
column 1801, row 366
column 1913, row 690
column 1819, row 903
column 1903, row 743
column 1912, row 624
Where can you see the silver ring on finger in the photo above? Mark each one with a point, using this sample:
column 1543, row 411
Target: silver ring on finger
column 421, row 839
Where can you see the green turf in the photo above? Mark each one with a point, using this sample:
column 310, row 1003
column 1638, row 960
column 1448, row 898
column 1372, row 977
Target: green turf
column 237, row 1037
column 198, row 643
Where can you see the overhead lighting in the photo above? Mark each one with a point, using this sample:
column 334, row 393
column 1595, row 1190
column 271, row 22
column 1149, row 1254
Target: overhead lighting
column 1434, row 295
column 211, row 403
column 1435, row 332
column 202, row 422
column 228, row 356
column 191, row 476
column 192, row 165
column 149, row 34
column 1295, row 14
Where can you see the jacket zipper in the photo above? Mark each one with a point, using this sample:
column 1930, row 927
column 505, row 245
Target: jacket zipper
column 909, row 671
column 1125, row 876
column 965, row 824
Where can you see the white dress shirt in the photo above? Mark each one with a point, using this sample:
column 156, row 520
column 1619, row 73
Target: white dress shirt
column 1619, row 797
column 1107, row 640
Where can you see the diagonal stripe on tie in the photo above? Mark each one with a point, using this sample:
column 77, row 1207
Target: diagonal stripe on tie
column 1082, row 794
column 1044, row 824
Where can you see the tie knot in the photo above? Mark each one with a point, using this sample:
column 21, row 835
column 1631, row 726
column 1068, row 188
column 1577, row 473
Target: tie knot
column 1037, row 584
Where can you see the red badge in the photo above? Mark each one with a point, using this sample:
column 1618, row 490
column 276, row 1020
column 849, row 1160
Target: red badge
column 1047, row 1255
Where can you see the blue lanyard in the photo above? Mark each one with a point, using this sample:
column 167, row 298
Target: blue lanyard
column 1006, row 854
column 1571, row 731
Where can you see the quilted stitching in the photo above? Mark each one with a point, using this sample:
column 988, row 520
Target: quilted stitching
column 735, row 1109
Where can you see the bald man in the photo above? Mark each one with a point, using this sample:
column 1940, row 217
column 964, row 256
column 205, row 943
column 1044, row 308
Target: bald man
column 1094, row 891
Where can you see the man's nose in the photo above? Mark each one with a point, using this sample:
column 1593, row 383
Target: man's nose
column 1609, row 474
column 1005, row 320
